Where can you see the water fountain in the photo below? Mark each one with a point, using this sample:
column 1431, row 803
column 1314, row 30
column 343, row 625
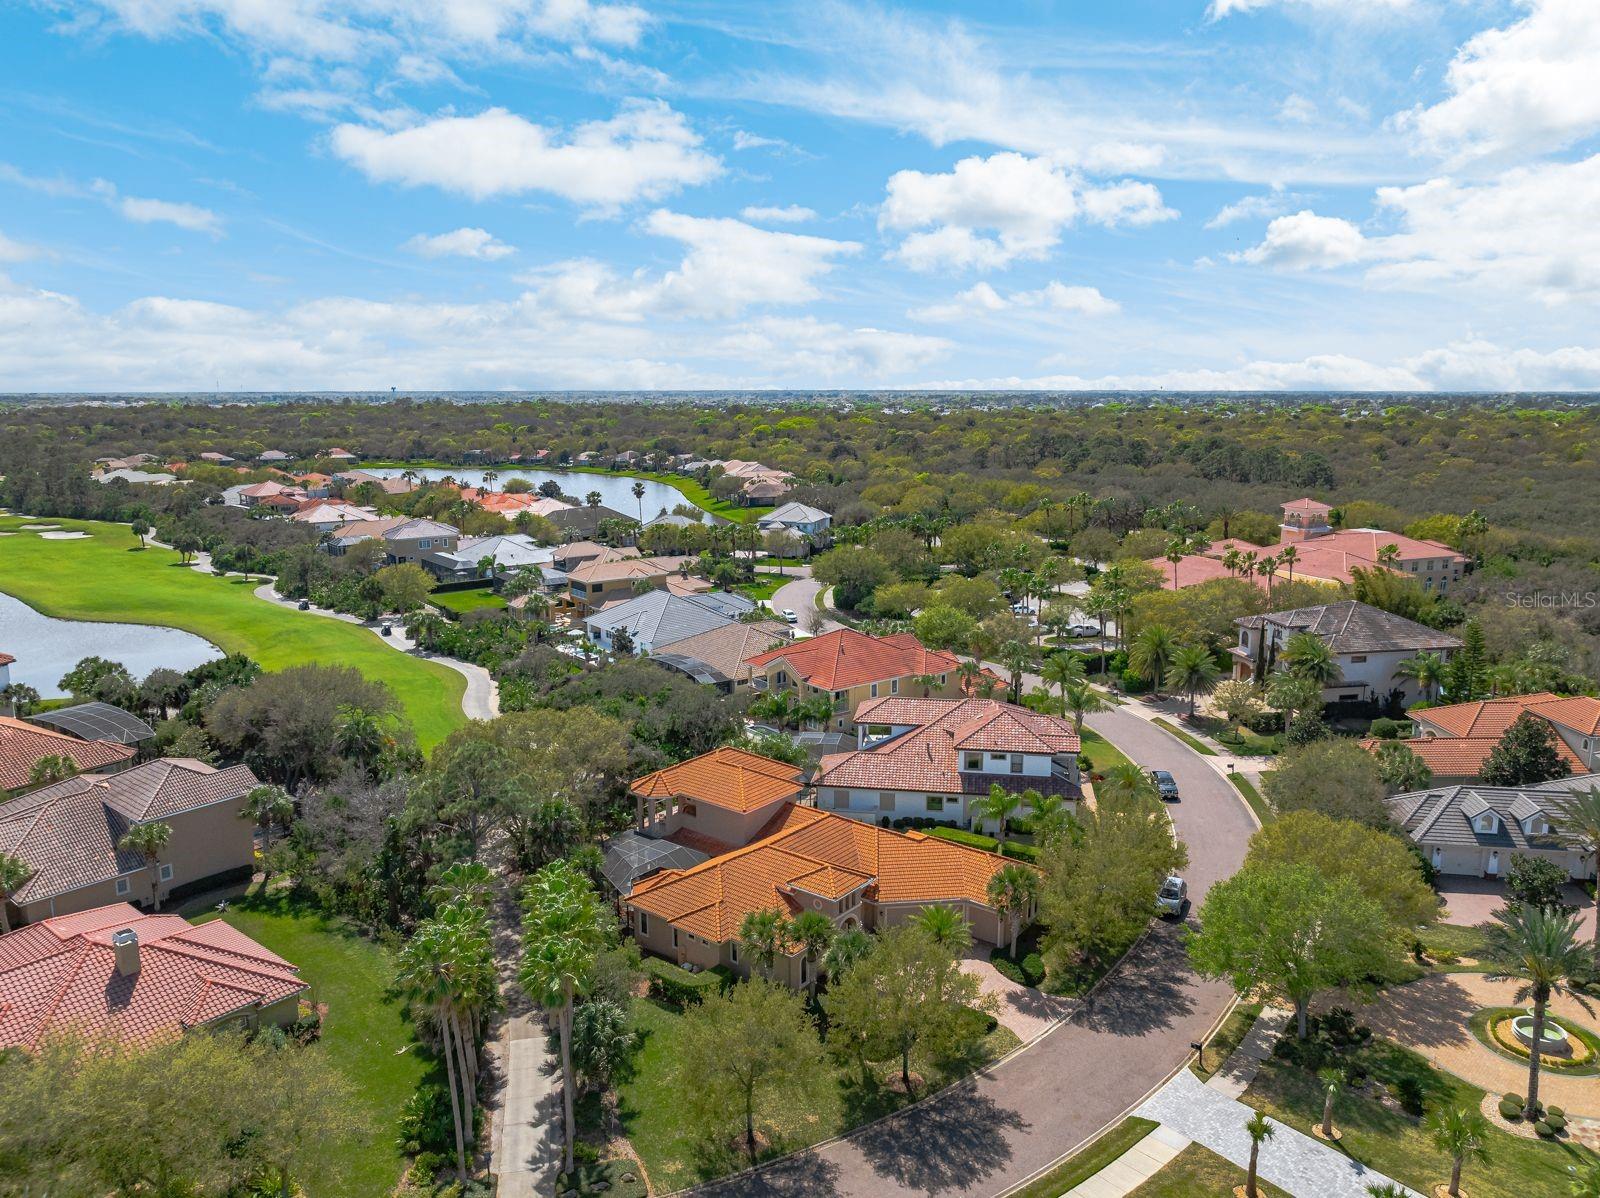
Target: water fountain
column 1554, row 1039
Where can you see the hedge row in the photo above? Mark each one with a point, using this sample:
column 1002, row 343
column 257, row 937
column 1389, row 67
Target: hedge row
column 673, row 984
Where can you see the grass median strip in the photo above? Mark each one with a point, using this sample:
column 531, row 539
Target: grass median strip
column 1197, row 746
column 105, row 576
column 1259, row 805
column 1082, row 1165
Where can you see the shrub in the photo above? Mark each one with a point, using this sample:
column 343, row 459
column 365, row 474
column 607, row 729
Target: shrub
column 1555, row 1121
column 1544, row 1130
column 584, row 1153
column 1510, row 1110
column 673, row 984
column 1555, row 1110
column 1022, row 852
column 973, row 840
column 426, row 1120
column 1411, row 1093
column 1025, row 971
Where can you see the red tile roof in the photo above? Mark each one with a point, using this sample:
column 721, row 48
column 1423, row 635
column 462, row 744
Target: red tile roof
column 820, row 852
column 844, row 658
column 68, row 832
column 62, row 973
column 1463, row 756
column 24, row 745
column 6, row 659
column 1491, row 717
column 725, row 777
column 928, row 758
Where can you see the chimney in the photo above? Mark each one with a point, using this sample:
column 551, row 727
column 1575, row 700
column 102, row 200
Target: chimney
column 125, row 944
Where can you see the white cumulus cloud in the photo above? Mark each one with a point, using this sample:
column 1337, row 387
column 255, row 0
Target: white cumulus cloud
column 17, row 251
column 646, row 151
column 460, row 243
column 1523, row 89
column 1341, row 8
column 1304, row 240
column 727, row 266
column 983, row 300
column 145, row 211
column 788, row 214
column 990, row 212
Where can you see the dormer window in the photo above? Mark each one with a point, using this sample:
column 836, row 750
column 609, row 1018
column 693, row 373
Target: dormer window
column 1487, row 822
column 1537, row 825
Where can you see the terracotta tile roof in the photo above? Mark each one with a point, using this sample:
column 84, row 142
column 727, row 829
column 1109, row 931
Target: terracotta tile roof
column 823, row 853
column 24, row 745
column 928, row 757
column 1491, row 717
column 1194, row 569
column 62, row 973
column 6, row 659
column 1463, row 756
column 844, row 658
column 725, row 777
column 605, row 569
column 1308, row 506
column 68, row 832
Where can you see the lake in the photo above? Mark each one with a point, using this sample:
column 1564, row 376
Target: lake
column 616, row 490
column 47, row 648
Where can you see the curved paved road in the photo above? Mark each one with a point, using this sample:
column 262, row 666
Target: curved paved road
column 987, row 1134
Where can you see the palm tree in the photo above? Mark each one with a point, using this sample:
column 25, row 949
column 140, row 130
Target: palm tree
column 1082, row 699
column 762, row 935
column 1231, row 560
column 1288, row 556
column 592, row 498
column 1047, row 813
column 1388, row 555
column 1100, row 604
column 1428, row 670
column 1126, row 784
column 814, row 933
column 998, row 806
column 1462, row 1135
column 1332, row 1082
column 14, row 874
column 1307, row 656
column 1193, row 672
column 360, row 736
column 1261, row 1130
column 490, row 477
column 1267, row 567
column 1151, row 653
column 425, row 978
column 1062, row 670
column 1579, row 819
column 564, row 926
column 1012, row 889
column 1540, row 949
column 1176, row 547
column 848, row 947
column 638, row 493
column 945, row 926
column 270, row 807
column 148, row 840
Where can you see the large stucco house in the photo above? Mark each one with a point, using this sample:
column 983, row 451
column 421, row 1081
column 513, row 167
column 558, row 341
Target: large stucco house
column 68, row 835
column 1455, row 741
column 936, row 758
column 1474, row 830
column 1368, row 643
column 733, row 837
column 852, row 668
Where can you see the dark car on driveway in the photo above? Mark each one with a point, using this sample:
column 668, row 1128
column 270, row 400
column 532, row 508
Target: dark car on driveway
column 1166, row 785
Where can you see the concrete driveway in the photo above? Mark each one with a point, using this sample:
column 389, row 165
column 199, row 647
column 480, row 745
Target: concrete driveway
column 1472, row 901
column 1022, row 1010
column 996, row 1129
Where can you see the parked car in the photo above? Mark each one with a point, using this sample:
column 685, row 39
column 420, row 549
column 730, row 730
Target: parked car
column 1166, row 785
column 789, row 616
column 1173, row 896
column 1083, row 630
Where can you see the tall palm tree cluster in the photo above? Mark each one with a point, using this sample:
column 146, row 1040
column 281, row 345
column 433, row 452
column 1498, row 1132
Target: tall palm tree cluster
column 1187, row 669
column 564, row 927
column 787, row 709
column 1248, row 562
column 447, row 973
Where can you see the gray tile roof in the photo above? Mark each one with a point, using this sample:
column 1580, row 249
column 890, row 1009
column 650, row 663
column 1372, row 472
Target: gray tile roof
column 1443, row 816
column 660, row 618
column 1351, row 627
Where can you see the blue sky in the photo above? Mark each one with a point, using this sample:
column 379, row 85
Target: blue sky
column 1255, row 194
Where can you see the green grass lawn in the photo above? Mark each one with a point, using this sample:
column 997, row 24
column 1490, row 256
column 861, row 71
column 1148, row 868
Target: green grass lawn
column 365, row 1034
column 107, row 577
column 765, row 585
column 1259, row 805
column 1227, row 1038
column 462, row 602
column 651, row 1110
column 1455, row 940
column 1395, row 1143
column 1102, row 754
column 1197, row 1172
column 1082, row 1165
column 1194, row 744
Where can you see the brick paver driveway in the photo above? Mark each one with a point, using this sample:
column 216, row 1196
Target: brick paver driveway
column 1475, row 900
column 985, row 1135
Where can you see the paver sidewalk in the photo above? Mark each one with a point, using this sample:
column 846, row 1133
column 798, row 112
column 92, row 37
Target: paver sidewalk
column 1291, row 1161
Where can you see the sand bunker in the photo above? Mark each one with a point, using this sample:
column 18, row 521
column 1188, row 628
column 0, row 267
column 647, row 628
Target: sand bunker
column 38, row 527
column 63, row 536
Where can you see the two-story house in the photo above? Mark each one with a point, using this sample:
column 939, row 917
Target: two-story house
column 936, row 758
column 852, row 668
column 1475, row 831
column 605, row 580
column 808, row 525
column 723, row 836
column 1367, row 643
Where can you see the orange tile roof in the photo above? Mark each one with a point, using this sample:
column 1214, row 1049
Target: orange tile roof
column 929, row 756
column 24, row 745
column 823, row 853
column 725, row 777
column 1464, row 756
column 62, row 973
column 844, row 658
column 1484, row 717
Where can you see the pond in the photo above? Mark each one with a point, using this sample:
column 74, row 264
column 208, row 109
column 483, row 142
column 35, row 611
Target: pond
column 616, row 490
column 47, row 648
